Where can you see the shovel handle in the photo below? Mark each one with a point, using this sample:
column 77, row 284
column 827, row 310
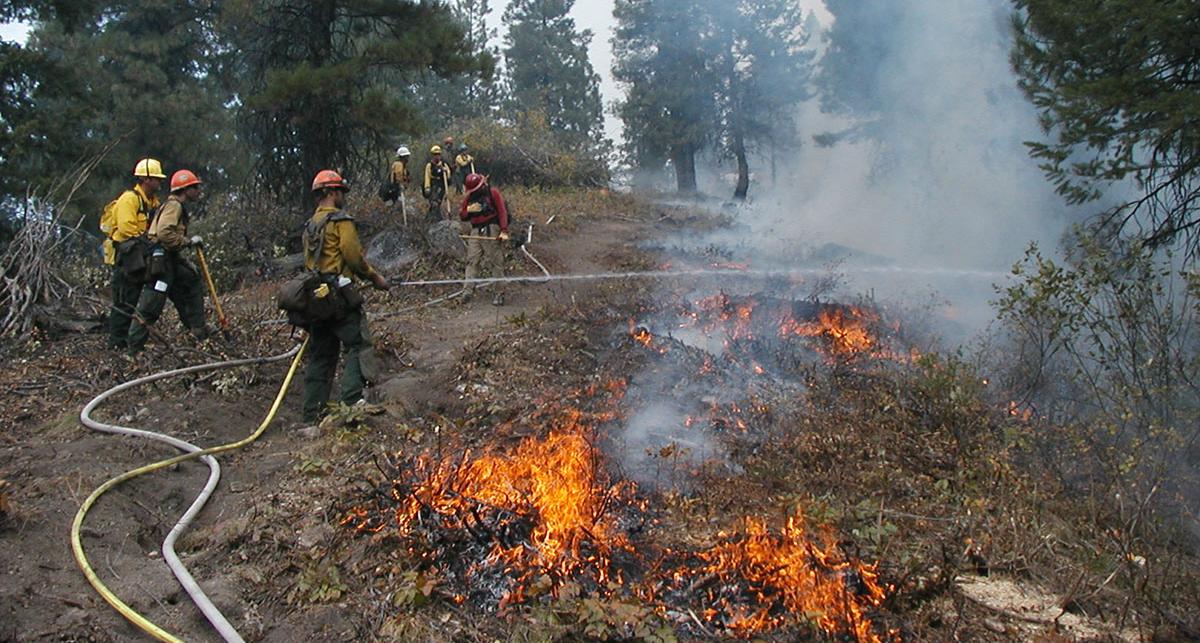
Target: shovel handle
column 212, row 288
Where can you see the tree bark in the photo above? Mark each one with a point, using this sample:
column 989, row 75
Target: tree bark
column 743, row 180
column 683, row 157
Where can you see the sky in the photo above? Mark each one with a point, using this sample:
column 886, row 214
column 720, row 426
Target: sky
column 14, row 31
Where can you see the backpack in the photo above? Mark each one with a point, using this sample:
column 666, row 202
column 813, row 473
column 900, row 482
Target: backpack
column 133, row 255
column 311, row 297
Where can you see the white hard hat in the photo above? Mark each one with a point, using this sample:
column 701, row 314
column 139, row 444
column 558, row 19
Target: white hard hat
column 402, row 151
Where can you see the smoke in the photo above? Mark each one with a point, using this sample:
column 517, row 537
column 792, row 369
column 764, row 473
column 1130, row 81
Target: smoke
column 932, row 174
column 928, row 195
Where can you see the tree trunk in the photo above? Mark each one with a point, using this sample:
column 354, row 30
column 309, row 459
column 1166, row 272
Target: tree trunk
column 743, row 180
column 683, row 157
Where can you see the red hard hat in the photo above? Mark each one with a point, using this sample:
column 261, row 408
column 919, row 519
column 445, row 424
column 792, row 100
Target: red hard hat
column 183, row 179
column 328, row 179
column 473, row 182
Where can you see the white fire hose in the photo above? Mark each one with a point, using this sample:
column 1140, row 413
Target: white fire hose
column 214, row 615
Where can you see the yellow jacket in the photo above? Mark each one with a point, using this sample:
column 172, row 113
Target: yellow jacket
column 170, row 226
column 132, row 213
column 444, row 175
column 400, row 172
column 341, row 253
column 465, row 162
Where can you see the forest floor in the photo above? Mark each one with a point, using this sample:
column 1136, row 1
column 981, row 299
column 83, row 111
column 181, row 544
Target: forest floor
column 727, row 480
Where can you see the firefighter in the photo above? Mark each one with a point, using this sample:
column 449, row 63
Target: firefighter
column 171, row 275
column 437, row 182
column 464, row 165
column 332, row 248
column 399, row 177
column 399, row 174
column 484, row 209
column 130, row 217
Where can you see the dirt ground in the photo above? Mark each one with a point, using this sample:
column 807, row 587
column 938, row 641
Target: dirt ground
column 267, row 496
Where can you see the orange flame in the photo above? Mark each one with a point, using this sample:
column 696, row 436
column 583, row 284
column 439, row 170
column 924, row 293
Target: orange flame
column 846, row 328
column 792, row 571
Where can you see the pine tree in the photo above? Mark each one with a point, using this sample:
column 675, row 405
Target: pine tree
column 143, row 73
column 548, row 70
column 443, row 100
column 325, row 81
column 759, row 58
column 1115, row 84
column 670, row 108
column 859, row 46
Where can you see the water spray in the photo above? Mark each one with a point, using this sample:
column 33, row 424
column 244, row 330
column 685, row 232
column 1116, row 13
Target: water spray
column 708, row 272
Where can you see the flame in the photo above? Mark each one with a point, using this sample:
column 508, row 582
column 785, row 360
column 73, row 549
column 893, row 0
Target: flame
column 643, row 336
column 546, row 510
column 781, row 577
column 553, row 484
column 846, row 328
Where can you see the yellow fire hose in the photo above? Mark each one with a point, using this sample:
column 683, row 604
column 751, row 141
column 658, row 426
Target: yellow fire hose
column 212, row 289
column 77, row 526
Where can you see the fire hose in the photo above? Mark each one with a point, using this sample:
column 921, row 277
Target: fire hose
column 210, row 611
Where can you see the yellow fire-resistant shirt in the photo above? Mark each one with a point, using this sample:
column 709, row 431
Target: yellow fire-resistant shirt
column 132, row 213
column 341, row 253
column 169, row 229
column 400, row 172
column 465, row 162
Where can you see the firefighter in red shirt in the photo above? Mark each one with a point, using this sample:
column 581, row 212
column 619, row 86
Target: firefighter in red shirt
column 483, row 207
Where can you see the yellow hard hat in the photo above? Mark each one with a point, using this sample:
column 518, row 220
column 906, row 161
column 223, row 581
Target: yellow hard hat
column 149, row 169
column 436, row 149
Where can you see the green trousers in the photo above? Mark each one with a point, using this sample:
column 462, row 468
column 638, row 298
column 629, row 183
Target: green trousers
column 326, row 341
column 125, row 292
column 182, row 286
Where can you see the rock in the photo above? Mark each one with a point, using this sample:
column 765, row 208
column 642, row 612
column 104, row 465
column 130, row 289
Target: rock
column 309, row 432
column 390, row 250
column 444, row 241
column 289, row 264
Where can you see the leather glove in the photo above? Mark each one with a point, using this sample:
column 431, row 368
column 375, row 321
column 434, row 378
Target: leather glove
column 475, row 208
column 503, row 235
column 196, row 241
column 379, row 281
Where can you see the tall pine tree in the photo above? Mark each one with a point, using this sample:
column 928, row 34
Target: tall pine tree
column 145, row 73
column 324, row 81
column 670, row 109
column 758, row 55
column 548, row 70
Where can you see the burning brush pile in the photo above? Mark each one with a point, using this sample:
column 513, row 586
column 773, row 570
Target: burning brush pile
column 504, row 528
column 496, row 524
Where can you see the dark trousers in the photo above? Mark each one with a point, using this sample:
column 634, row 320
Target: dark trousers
column 125, row 292
column 325, row 342
column 182, row 286
column 437, row 195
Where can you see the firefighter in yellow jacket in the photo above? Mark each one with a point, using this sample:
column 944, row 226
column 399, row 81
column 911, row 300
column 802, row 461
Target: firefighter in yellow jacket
column 464, row 165
column 130, row 217
column 436, row 183
column 332, row 248
column 171, row 275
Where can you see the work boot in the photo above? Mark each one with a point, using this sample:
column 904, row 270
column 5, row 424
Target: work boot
column 498, row 300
